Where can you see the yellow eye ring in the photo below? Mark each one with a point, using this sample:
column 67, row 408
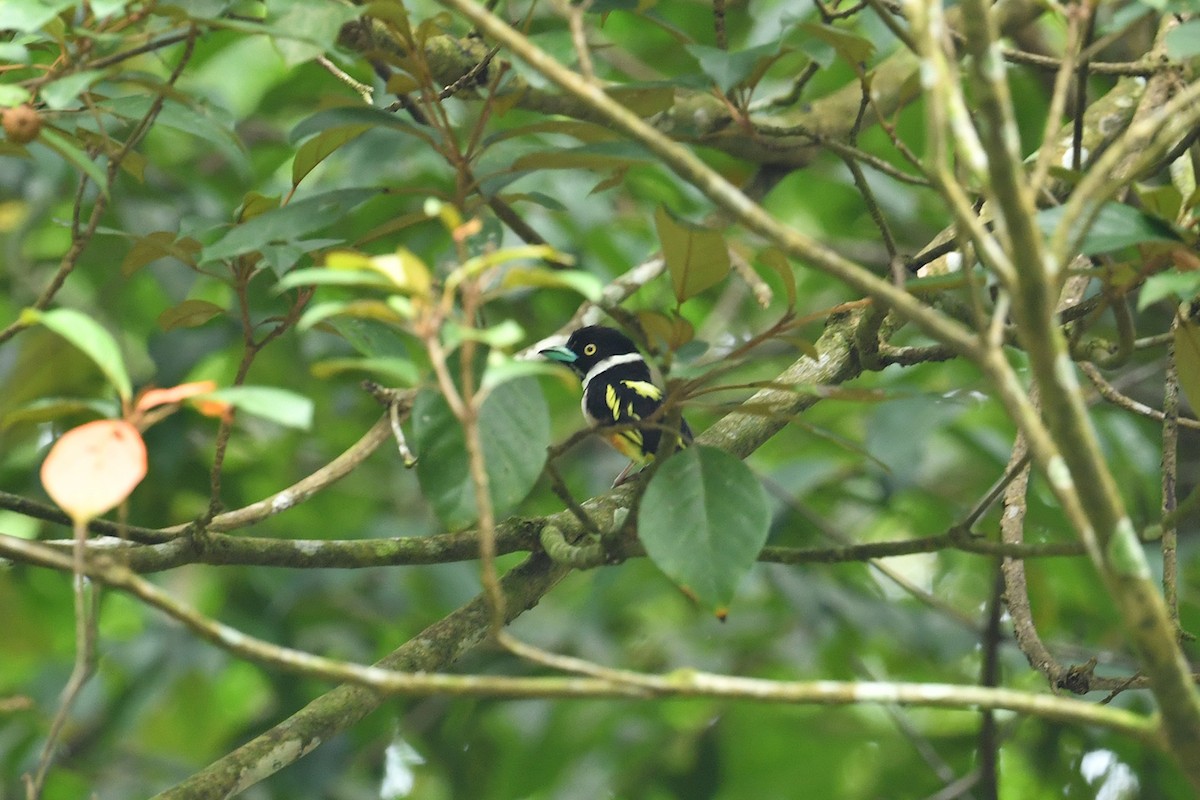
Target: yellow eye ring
column 589, row 349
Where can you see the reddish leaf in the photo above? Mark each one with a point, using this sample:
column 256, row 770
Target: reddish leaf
column 174, row 394
column 94, row 467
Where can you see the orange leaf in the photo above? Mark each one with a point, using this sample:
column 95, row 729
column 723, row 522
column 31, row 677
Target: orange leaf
column 157, row 397
column 214, row 408
column 92, row 468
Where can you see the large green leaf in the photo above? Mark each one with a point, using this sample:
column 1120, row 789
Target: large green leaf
column 1183, row 42
column 1168, row 284
column 514, row 426
column 729, row 69
column 208, row 122
column 1115, row 226
column 90, row 337
column 703, row 520
column 696, row 257
column 286, row 224
column 278, row 405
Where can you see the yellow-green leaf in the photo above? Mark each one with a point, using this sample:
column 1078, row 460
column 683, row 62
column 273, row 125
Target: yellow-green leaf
column 156, row 245
column 585, row 283
column 189, row 314
column 696, row 257
column 90, row 337
column 1187, row 359
column 776, row 260
column 318, row 148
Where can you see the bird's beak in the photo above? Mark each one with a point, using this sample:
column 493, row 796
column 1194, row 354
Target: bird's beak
column 559, row 354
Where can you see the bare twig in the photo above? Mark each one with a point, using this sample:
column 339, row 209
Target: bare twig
column 1170, row 470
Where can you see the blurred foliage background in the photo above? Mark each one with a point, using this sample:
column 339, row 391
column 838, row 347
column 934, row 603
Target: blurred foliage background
column 898, row 453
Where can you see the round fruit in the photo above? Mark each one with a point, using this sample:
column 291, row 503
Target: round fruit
column 21, row 123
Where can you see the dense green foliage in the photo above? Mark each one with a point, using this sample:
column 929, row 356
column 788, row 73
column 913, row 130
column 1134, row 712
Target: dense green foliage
column 211, row 197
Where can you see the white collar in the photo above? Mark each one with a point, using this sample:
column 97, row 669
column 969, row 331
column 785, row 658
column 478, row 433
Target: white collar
column 605, row 364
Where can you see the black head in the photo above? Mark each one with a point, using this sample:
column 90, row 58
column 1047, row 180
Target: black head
column 590, row 345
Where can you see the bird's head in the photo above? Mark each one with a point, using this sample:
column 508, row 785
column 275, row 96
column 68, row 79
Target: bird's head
column 588, row 346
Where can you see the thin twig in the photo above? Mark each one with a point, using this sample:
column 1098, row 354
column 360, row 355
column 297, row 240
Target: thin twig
column 1113, row 395
column 989, row 675
column 1016, row 590
column 1170, row 469
column 86, row 609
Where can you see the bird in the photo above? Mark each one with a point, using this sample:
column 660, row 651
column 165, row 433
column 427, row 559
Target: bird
column 617, row 391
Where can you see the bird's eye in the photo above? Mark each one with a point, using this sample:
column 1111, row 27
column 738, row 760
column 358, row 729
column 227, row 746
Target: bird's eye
column 589, row 349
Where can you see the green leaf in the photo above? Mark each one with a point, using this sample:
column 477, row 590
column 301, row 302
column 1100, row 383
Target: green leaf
column 11, row 95
column 854, row 49
column 373, row 338
column 645, row 99
column 776, row 260
column 287, row 224
column 324, row 276
column 370, row 310
column 283, row 257
column 63, row 92
column 665, row 330
column 302, row 30
column 404, row 269
column 1187, row 360
column 1115, row 226
column 30, row 15
column 696, row 257
column 585, row 283
column 211, row 124
column 502, row 368
column 67, row 149
column 729, row 69
column 703, row 521
column 48, row 409
column 278, row 405
column 156, row 245
column 514, row 426
column 1163, row 201
column 503, row 334
column 397, row 371
column 317, row 149
column 1182, row 285
column 352, row 115
column 255, row 204
column 90, row 337
column 189, row 314
column 1183, row 42
column 598, row 156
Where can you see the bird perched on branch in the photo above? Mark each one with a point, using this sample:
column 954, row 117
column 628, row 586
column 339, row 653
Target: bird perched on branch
column 617, row 391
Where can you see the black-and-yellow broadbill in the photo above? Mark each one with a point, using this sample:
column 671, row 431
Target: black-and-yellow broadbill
column 617, row 391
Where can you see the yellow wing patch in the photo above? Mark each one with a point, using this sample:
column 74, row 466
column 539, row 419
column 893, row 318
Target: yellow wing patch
column 622, row 399
column 644, row 388
column 629, row 444
column 612, row 401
